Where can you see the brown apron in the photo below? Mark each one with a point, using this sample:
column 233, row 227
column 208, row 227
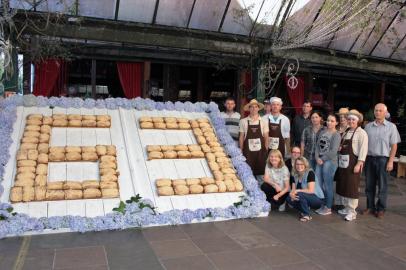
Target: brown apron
column 254, row 149
column 347, row 180
column 276, row 140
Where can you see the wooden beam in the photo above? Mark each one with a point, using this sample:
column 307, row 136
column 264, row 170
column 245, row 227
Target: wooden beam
column 224, row 16
column 190, row 14
column 117, row 10
column 155, row 12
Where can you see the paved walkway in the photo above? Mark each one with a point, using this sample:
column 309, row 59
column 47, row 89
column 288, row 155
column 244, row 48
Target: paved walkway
column 279, row 241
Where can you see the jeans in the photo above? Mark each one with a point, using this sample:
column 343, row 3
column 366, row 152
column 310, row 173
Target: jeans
column 312, row 163
column 376, row 174
column 270, row 192
column 325, row 174
column 305, row 202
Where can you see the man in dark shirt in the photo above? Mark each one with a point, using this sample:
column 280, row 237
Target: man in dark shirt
column 300, row 122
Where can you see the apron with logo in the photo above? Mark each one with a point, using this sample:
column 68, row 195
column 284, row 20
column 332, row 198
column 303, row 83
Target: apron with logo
column 276, row 140
column 347, row 180
column 254, row 149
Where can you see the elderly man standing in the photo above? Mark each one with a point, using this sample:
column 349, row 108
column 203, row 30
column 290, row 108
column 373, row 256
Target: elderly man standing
column 279, row 127
column 383, row 138
column 300, row 122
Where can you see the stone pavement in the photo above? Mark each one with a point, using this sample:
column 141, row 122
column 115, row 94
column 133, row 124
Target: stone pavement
column 279, row 241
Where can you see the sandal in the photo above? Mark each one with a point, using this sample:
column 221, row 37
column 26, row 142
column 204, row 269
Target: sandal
column 305, row 218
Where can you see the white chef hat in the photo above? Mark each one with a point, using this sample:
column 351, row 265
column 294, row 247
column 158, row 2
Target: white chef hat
column 275, row 100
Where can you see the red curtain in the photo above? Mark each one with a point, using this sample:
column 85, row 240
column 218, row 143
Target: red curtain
column 296, row 95
column 130, row 74
column 50, row 77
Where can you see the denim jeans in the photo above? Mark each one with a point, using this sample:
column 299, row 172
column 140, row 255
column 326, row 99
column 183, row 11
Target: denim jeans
column 376, row 174
column 312, row 163
column 325, row 174
column 305, row 202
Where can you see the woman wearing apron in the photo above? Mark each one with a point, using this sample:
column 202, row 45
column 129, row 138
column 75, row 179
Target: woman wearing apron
column 351, row 157
column 253, row 132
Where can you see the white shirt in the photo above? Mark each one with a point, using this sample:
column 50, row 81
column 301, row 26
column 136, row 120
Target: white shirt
column 285, row 123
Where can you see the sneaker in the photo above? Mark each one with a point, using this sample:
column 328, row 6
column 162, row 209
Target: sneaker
column 282, row 207
column 350, row 217
column 343, row 212
column 324, row 211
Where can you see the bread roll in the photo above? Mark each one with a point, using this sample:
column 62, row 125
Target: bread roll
column 211, row 139
column 224, row 165
column 73, row 194
column 230, row 176
column 230, row 185
column 111, row 150
column 56, row 156
column 103, row 117
column 202, row 125
column 184, row 154
column 223, row 159
column 205, row 148
column 72, row 185
column 75, row 123
column 24, row 182
column 197, row 132
column 194, row 124
column 88, row 149
column 163, row 182
column 238, row 185
column 28, row 146
column 106, row 185
column 197, row 154
column 74, row 117
column 89, row 117
column 182, row 120
column 217, row 149
column 53, row 195
column 155, row 155
column 90, row 184
column 153, row 148
column 107, row 158
column 26, row 163
column 214, row 144
column 167, row 148
column 200, row 140
column 206, row 181
column 172, row 125
column 32, row 128
column 170, row 154
column 32, row 154
column 147, row 125
column 222, row 187
column 25, row 175
column 207, row 129
column 157, row 120
column 73, row 156
column 184, row 126
column 55, row 185
column 42, row 169
column 47, row 120
column 40, row 193
column 109, row 178
column 22, row 155
column 107, row 164
column 60, row 123
column 35, row 122
column 43, row 148
column 192, row 181
column 210, row 157
column 209, row 134
column 110, row 193
column 228, row 171
column 42, row 159
column 90, row 156
column 28, row 194
column 203, row 120
column 31, row 134
column 181, row 189
column 69, row 149
column 211, row 188
column 181, row 147
column 196, row 189
column 30, row 140
column 179, row 182
column 89, row 123
column 220, row 154
column 165, row 191
column 169, row 120
column 145, row 119
column 34, row 116
column 60, row 116
column 101, row 150
column 91, row 193
column 103, row 124
column 214, row 166
column 57, row 149
column 46, row 129
column 194, row 147
column 40, row 181
column 159, row 125
column 16, row 194
column 26, row 169
column 108, row 171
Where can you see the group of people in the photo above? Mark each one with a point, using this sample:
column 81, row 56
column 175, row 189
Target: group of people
column 298, row 164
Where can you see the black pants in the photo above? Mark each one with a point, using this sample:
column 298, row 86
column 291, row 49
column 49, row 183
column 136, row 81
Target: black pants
column 270, row 192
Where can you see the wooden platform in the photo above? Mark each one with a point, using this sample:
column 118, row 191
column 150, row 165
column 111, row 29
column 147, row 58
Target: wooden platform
column 137, row 175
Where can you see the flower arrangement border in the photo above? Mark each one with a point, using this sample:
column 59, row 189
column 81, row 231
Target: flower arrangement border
column 135, row 212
